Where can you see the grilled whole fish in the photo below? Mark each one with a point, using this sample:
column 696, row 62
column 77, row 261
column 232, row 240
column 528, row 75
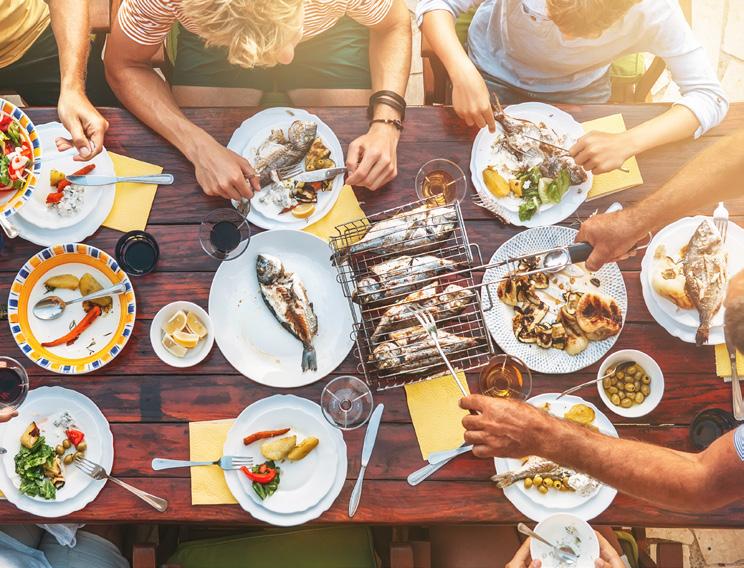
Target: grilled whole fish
column 286, row 297
column 280, row 151
column 533, row 466
column 704, row 267
column 450, row 302
column 412, row 349
column 400, row 275
column 407, row 230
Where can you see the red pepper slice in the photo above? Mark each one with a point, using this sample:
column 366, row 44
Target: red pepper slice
column 81, row 172
column 75, row 436
column 5, row 122
column 75, row 332
column 259, row 477
column 55, row 197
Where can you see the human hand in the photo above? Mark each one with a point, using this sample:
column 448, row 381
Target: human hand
column 222, row 172
column 470, row 97
column 372, row 158
column 601, row 152
column 608, row 556
column 505, row 428
column 5, row 416
column 612, row 236
column 523, row 559
column 85, row 124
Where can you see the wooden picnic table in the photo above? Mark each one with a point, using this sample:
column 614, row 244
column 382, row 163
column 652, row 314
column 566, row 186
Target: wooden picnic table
column 150, row 404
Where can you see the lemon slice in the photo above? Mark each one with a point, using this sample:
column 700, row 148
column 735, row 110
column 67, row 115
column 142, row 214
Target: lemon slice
column 188, row 340
column 172, row 347
column 303, row 210
column 195, row 325
column 176, row 323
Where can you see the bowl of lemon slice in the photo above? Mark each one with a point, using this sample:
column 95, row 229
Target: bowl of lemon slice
column 181, row 334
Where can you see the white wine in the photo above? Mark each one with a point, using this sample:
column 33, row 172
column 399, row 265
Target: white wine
column 502, row 378
column 440, row 186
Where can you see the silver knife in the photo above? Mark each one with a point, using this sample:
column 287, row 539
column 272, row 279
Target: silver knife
column 161, row 179
column 369, row 444
column 318, row 175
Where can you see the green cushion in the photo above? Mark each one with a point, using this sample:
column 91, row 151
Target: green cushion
column 327, row 547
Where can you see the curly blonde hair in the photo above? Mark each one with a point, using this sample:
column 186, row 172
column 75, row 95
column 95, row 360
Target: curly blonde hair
column 587, row 18
column 253, row 31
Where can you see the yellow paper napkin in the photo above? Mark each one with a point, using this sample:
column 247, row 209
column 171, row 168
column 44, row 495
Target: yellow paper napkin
column 436, row 413
column 208, row 486
column 616, row 180
column 723, row 363
column 344, row 210
column 133, row 200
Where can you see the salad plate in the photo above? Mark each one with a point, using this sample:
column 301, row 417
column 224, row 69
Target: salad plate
column 17, row 188
column 98, row 343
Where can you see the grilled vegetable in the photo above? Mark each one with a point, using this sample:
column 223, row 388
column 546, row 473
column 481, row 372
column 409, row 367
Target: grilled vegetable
column 265, row 478
column 30, row 436
column 263, row 435
column 65, row 281
column 72, row 336
column 89, row 285
column 302, row 449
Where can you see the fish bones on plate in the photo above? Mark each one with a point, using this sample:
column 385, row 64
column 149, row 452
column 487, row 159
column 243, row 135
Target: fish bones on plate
column 441, row 305
column 412, row 349
column 285, row 295
column 399, row 276
column 534, row 466
column 281, row 151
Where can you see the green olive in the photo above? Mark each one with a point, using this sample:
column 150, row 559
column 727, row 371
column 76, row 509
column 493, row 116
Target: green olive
column 606, row 382
column 646, row 390
column 613, row 390
column 646, row 380
column 82, row 446
column 537, row 481
column 629, row 387
column 632, row 369
column 59, row 450
column 77, row 455
column 639, row 397
column 620, row 375
column 621, row 394
column 68, row 459
column 637, row 385
column 66, row 444
column 638, row 375
column 626, row 402
column 542, row 489
column 527, row 482
column 615, row 399
column 547, row 482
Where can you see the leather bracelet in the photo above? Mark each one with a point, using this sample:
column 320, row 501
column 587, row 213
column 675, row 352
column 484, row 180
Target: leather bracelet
column 394, row 121
column 389, row 98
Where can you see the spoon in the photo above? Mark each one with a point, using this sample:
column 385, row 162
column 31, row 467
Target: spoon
column 616, row 367
column 565, row 553
column 52, row 307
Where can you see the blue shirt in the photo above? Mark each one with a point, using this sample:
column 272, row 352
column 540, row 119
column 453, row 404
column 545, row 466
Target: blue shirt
column 739, row 441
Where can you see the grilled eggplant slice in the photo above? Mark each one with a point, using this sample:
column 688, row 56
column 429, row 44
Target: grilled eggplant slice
column 30, row 436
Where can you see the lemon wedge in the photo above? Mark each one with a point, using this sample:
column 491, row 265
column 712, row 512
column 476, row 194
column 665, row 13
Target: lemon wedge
column 172, row 347
column 176, row 323
column 185, row 339
column 195, row 325
column 303, row 210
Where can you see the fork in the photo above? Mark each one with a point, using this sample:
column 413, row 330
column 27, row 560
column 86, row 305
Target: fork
column 721, row 219
column 225, row 462
column 95, row 471
column 244, row 205
column 291, row 171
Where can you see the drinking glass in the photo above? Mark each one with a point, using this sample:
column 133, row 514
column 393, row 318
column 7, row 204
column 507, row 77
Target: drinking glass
column 13, row 385
column 346, row 402
column 441, row 181
column 224, row 234
column 505, row 376
column 137, row 252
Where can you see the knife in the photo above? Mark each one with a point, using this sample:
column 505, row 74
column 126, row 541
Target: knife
column 318, row 175
column 161, row 179
column 369, row 444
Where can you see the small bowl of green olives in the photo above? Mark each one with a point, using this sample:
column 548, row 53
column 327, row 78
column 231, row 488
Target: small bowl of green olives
column 635, row 386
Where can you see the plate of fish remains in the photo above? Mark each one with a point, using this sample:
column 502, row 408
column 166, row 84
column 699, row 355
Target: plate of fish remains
column 53, row 425
column 279, row 314
column 538, row 487
column 556, row 323
column 281, row 138
column 684, row 274
column 522, row 172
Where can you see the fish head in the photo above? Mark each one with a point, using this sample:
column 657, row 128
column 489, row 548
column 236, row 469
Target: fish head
column 268, row 268
column 301, row 133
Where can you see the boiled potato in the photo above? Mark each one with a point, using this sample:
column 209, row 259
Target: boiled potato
column 277, row 450
column 89, row 285
column 66, row 281
column 495, row 182
column 302, row 449
column 56, row 176
column 580, row 413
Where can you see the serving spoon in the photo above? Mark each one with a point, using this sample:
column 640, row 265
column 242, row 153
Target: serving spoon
column 51, row 307
column 611, row 369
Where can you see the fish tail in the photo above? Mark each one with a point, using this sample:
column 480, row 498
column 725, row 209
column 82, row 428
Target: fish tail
column 309, row 358
column 701, row 337
column 503, row 480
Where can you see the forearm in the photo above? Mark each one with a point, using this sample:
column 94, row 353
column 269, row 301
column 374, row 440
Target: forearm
column 438, row 27
column 71, row 32
column 390, row 57
column 677, row 123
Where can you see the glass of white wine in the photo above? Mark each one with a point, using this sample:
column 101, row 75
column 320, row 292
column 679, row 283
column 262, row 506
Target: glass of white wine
column 441, row 181
column 506, row 377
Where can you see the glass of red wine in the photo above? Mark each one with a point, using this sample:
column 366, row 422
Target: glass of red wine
column 13, row 385
column 224, row 234
column 137, row 253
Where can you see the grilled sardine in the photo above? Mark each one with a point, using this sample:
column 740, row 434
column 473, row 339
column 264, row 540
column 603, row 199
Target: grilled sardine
column 280, row 151
column 412, row 349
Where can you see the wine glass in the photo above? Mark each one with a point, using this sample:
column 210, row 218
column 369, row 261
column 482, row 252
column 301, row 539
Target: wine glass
column 346, row 402
column 13, row 385
column 224, row 234
column 441, row 181
column 505, row 376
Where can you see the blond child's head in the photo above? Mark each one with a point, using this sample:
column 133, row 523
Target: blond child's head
column 587, row 18
column 256, row 33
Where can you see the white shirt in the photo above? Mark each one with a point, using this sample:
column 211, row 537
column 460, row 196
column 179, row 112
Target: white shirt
column 532, row 54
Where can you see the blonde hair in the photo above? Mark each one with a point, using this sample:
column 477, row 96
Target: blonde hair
column 587, row 18
column 253, row 31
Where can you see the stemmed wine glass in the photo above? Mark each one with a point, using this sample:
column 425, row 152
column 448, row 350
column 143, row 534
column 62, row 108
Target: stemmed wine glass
column 13, row 385
column 441, row 181
column 346, row 402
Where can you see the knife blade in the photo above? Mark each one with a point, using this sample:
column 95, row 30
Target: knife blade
column 161, row 179
column 369, row 444
column 318, row 175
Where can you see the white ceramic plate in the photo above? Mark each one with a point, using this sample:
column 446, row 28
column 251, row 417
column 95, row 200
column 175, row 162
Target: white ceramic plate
column 483, row 155
column 537, row 506
column 677, row 322
column 195, row 355
column 302, row 484
column 252, row 133
column 288, row 403
column 249, row 335
column 652, row 369
column 565, row 530
column 79, row 490
column 499, row 317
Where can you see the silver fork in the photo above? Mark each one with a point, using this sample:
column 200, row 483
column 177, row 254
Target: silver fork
column 97, row 472
column 291, row 171
column 721, row 219
column 225, row 462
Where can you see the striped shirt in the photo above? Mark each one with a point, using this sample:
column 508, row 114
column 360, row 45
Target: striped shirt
column 147, row 22
column 739, row 441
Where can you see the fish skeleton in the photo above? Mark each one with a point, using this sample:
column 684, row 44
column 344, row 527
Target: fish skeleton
column 279, row 151
column 451, row 301
column 412, row 349
column 286, row 297
column 704, row 267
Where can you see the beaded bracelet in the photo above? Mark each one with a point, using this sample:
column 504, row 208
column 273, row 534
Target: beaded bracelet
column 394, row 121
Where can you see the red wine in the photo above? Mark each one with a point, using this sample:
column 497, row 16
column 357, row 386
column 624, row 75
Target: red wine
column 137, row 252
column 224, row 236
column 11, row 385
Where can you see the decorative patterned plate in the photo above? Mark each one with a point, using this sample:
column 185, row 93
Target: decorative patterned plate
column 499, row 319
column 98, row 344
column 12, row 201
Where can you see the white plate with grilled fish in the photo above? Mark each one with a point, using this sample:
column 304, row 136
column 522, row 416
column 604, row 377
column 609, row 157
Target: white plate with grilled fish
column 559, row 323
column 252, row 141
column 542, row 121
column 684, row 271
column 276, row 330
column 589, row 499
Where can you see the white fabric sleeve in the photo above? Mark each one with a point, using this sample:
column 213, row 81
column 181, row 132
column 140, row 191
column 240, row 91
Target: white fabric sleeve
column 454, row 7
